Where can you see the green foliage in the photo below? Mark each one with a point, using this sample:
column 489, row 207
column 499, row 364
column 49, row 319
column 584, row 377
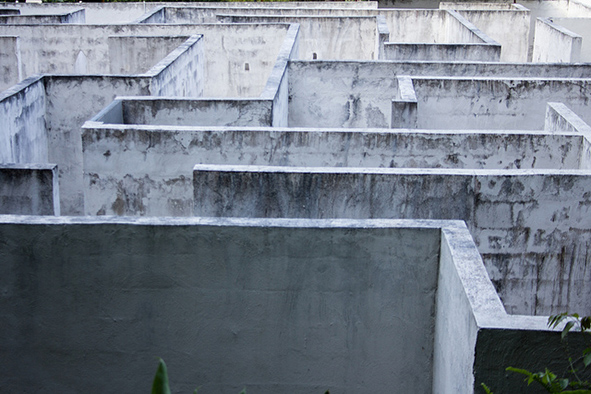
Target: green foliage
column 571, row 384
column 160, row 385
column 486, row 389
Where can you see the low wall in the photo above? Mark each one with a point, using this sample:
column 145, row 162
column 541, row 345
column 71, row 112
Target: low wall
column 23, row 137
column 532, row 227
column 560, row 118
column 554, row 43
column 325, row 37
column 74, row 16
column 29, row 189
column 137, row 54
column 10, row 66
column 267, row 305
column 193, row 112
column 581, row 27
column 442, row 52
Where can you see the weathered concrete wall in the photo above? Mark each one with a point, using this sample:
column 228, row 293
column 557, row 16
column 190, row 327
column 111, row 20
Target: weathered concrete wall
column 9, row 11
column 277, row 87
column 155, row 177
column 270, row 305
column 74, row 16
column 532, row 227
column 327, row 37
column 506, row 104
column 359, row 94
column 23, row 137
column 226, row 46
column 554, row 43
column 29, row 189
column 137, row 54
column 10, row 62
column 494, row 24
column 72, row 100
column 581, row 27
column 559, row 117
column 195, row 112
column 442, row 52
column 325, row 94
column 181, row 73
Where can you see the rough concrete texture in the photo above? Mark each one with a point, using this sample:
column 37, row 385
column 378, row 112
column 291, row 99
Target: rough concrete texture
column 276, row 306
column 522, row 189
column 531, row 226
column 29, row 189
column 555, row 44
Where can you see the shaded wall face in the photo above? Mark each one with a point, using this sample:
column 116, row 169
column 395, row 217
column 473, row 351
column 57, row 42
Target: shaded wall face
column 272, row 309
column 532, row 229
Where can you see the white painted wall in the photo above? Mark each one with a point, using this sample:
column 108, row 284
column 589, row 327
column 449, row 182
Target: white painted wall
column 581, row 27
column 555, row 44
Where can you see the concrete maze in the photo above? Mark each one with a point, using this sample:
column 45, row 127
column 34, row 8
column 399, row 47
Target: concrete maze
column 291, row 197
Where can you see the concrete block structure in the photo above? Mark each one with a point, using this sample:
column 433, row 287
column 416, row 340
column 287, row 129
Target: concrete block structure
column 291, row 197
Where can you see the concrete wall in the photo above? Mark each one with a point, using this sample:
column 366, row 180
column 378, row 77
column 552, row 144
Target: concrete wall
column 10, row 62
column 23, row 123
column 359, row 94
column 494, row 23
column 74, row 16
column 29, row 189
column 581, row 27
column 155, row 177
column 554, row 43
column 325, row 94
column 506, row 104
column 182, row 72
column 442, row 52
column 270, row 306
column 71, row 100
column 277, row 87
column 136, row 55
column 347, row 37
column 194, row 112
column 559, row 117
column 227, row 49
column 531, row 227
column 51, row 130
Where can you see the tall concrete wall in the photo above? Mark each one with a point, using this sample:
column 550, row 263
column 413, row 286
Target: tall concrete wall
column 29, row 189
column 506, row 104
column 182, row 72
column 327, row 37
column 23, row 123
column 136, row 55
column 581, row 27
column 359, row 94
column 10, row 62
column 554, row 43
column 494, row 24
column 155, row 179
column 226, row 47
column 72, row 100
column 532, row 227
column 273, row 306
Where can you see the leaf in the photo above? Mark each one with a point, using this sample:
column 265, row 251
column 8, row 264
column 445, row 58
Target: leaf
column 555, row 320
column 484, row 386
column 587, row 357
column 160, row 385
column 566, row 329
column 586, row 323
